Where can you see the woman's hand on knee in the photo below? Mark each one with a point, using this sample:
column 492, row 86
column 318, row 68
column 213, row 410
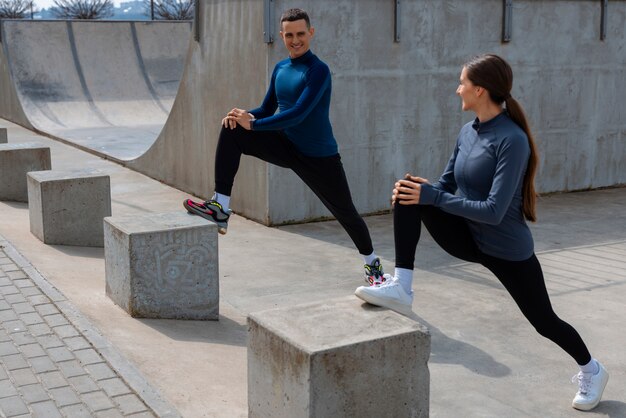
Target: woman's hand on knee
column 406, row 191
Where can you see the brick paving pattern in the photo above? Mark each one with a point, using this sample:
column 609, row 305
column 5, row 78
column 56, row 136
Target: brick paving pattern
column 47, row 368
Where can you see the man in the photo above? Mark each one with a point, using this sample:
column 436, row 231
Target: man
column 298, row 137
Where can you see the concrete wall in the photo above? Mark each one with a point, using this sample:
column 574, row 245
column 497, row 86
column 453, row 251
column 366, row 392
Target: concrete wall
column 394, row 106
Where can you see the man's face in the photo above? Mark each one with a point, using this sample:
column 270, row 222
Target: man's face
column 296, row 37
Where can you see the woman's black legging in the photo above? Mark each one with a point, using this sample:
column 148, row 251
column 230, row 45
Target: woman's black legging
column 522, row 279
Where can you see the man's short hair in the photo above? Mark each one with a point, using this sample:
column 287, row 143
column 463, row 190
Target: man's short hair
column 292, row 15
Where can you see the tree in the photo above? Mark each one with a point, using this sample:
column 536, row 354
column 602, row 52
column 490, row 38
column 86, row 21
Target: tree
column 170, row 9
column 83, row 9
column 15, row 9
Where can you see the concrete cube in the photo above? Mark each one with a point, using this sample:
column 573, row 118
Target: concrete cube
column 4, row 138
column 338, row 358
column 15, row 161
column 67, row 207
column 162, row 265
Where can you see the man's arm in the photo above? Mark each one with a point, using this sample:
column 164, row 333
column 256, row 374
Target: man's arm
column 317, row 81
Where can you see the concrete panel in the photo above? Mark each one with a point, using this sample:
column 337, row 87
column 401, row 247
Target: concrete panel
column 162, row 265
column 68, row 207
column 325, row 359
column 15, row 161
column 3, row 136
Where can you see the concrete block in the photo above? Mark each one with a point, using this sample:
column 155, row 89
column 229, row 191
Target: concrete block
column 4, row 138
column 338, row 358
column 15, row 161
column 162, row 265
column 67, row 207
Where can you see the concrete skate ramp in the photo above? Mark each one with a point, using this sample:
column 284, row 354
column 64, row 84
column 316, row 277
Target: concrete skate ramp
column 105, row 86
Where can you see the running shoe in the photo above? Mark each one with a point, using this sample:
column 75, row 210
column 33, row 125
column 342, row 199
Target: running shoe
column 390, row 295
column 590, row 388
column 374, row 274
column 210, row 210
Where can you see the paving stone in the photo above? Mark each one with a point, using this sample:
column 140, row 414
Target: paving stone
column 34, row 393
column 8, row 348
column 32, row 350
column 31, row 291
column 8, row 316
column 97, row 401
column 31, row 318
column 4, row 337
column 130, row 404
column 3, row 374
column 76, row 411
column 20, row 279
column 71, row 368
column 40, row 329
column 14, row 326
column 9, row 290
column 10, row 266
column 58, row 354
column 4, row 305
column 45, row 409
column 22, row 308
column 42, row 364
column 7, row 389
column 100, row 371
column 23, row 377
column 38, row 300
column 13, row 406
column 47, row 309
column 109, row 413
column 65, row 331
column 53, row 380
column 88, row 356
column 83, row 384
column 23, row 338
column 114, row 387
column 144, row 414
column 76, row 343
column 14, row 298
column 56, row 320
column 14, row 362
column 64, row 396
column 50, row 341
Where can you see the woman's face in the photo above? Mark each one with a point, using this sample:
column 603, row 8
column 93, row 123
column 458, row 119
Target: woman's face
column 467, row 91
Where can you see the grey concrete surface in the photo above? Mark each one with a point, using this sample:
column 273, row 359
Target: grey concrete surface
column 320, row 359
column 16, row 160
column 67, row 207
column 486, row 360
column 394, row 106
column 162, row 265
column 3, row 136
column 104, row 85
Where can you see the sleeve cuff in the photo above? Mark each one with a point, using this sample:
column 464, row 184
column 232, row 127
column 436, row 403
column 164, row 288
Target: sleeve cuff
column 428, row 194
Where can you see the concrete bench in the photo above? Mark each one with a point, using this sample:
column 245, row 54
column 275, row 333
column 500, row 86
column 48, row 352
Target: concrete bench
column 339, row 358
column 4, row 138
column 15, row 161
column 162, row 265
column 67, row 207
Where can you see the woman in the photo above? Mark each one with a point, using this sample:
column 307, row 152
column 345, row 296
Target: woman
column 492, row 168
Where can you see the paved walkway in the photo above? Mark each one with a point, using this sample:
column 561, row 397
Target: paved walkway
column 49, row 365
column 486, row 360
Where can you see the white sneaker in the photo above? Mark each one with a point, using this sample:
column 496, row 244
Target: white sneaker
column 590, row 388
column 390, row 295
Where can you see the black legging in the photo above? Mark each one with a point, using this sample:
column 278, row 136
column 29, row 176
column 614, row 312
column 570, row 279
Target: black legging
column 324, row 175
column 522, row 279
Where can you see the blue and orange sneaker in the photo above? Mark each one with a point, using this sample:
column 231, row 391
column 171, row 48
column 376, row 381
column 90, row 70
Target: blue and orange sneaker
column 210, row 210
column 374, row 275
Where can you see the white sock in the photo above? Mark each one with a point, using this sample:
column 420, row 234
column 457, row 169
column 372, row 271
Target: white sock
column 591, row 367
column 405, row 277
column 369, row 259
column 222, row 200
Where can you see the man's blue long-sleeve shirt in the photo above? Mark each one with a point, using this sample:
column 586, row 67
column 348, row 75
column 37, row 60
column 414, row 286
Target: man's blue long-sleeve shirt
column 301, row 89
column 487, row 168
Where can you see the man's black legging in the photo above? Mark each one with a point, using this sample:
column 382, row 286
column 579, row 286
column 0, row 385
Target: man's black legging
column 324, row 175
column 523, row 279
